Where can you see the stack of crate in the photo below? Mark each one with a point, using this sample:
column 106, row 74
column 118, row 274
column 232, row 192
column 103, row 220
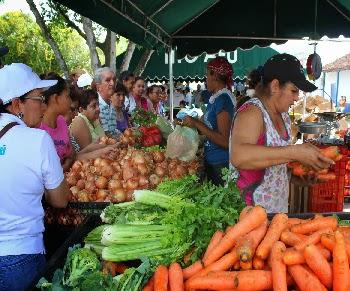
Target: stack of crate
column 329, row 196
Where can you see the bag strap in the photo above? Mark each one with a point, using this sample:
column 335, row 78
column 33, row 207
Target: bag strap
column 6, row 128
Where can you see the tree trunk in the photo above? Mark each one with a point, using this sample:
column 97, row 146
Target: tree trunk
column 91, row 42
column 127, row 56
column 110, row 48
column 47, row 35
column 143, row 62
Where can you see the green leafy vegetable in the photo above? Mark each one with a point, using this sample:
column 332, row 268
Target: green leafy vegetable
column 142, row 117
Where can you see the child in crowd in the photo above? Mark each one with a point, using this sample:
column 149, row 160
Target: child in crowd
column 118, row 100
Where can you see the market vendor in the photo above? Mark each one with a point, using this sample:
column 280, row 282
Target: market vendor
column 217, row 119
column 261, row 136
column 30, row 167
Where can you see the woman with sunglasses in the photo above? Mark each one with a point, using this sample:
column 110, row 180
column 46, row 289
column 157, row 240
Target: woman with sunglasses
column 58, row 104
column 30, row 168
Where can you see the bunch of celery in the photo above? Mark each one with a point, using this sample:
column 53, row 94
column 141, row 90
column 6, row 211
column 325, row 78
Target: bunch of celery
column 162, row 227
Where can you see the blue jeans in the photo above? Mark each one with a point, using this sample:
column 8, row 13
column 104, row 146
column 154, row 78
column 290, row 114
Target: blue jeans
column 20, row 272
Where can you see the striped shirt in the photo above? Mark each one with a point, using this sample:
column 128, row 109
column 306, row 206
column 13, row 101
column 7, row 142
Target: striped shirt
column 108, row 118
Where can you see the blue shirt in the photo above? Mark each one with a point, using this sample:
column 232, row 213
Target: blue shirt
column 214, row 154
column 108, row 118
column 205, row 96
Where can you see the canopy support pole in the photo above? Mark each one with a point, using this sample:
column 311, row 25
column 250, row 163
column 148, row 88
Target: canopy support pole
column 171, row 83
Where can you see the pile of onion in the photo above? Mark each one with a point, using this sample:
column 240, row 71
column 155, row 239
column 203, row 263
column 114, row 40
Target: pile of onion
column 115, row 179
column 66, row 216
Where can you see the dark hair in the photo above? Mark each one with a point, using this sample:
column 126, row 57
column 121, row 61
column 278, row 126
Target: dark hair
column 55, row 89
column 3, row 107
column 125, row 75
column 119, row 87
column 263, row 87
column 87, row 97
column 150, row 89
column 139, row 78
column 254, row 77
column 75, row 93
column 220, row 78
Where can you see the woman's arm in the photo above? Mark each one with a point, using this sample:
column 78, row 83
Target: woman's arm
column 93, row 154
column 80, row 131
column 247, row 155
column 221, row 136
column 92, row 147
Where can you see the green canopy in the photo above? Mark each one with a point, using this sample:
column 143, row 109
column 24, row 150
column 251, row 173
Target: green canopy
column 209, row 25
column 243, row 61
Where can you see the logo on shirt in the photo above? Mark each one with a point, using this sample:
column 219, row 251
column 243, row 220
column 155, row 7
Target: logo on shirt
column 2, row 150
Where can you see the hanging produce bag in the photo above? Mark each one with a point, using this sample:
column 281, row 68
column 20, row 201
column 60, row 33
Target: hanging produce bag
column 182, row 143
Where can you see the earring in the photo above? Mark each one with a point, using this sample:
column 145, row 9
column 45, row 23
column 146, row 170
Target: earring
column 20, row 115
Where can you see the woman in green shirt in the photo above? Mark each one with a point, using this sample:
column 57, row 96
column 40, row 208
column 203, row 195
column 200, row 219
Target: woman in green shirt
column 86, row 127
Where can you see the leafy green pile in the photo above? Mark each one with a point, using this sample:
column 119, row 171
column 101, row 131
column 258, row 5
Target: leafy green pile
column 81, row 271
column 142, row 117
column 180, row 216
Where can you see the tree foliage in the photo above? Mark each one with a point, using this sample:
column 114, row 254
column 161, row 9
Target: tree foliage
column 22, row 35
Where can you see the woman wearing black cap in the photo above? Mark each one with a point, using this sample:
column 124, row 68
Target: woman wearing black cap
column 261, row 136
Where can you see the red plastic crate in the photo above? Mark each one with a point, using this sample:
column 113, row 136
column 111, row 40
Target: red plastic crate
column 329, row 196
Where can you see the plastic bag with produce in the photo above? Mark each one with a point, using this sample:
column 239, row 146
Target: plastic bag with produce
column 182, row 143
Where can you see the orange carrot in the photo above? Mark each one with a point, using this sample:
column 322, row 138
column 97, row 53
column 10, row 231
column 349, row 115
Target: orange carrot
column 248, row 265
column 225, row 263
column 161, row 278
column 315, row 224
column 328, row 241
column 245, row 211
column 247, row 245
column 304, row 279
column 193, row 269
column 312, row 239
column 237, row 266
column 150, row 285
column 325, row 252
column 253, row 280
column 278, row 224
column 293, row 257
column 331, row 152
column 341, row 273
column 319, row 265
column 291, row 238
column 294, row 221
column 215, row 239
column 326, row 177
column 254, row 218
column 176, row 280
column 212, row 281
column 258, row 264
column 279, row 270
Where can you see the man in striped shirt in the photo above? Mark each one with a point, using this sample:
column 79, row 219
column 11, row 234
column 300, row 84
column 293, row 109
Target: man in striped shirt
column 105, row 84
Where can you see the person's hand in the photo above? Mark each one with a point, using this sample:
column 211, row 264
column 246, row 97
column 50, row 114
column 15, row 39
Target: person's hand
column 311, row 156
column 188, row 121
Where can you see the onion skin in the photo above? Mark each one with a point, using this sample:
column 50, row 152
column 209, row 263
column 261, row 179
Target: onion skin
column 160, row 171
column 107, row 171
column 101, row 182
column 81, row 184
column 101, row 194
column 118, row 195
column 132, row 184
column 114, row 184
column 142, row 168
column 72, row 179
column 77, row 166
column 154, row 179
column 158, row 156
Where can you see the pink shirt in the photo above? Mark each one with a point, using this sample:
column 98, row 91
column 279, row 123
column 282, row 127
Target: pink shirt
column 60, row 136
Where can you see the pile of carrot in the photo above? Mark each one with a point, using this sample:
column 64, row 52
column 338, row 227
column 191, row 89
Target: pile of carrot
column 300, row 170
column 257, row 254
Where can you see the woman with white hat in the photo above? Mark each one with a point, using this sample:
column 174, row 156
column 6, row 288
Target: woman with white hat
column 30, row 167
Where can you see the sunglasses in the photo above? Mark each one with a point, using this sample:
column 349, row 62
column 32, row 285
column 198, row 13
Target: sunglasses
column 39, row 98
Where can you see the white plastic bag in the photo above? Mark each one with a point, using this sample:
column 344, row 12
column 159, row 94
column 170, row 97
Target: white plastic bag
column 182, row 143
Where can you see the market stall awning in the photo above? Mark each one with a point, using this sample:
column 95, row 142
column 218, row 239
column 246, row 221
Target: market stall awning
column 194, row 68
column 209, row 25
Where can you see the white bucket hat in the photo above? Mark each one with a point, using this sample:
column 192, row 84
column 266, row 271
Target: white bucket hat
column 18, row 79
column 84, row 80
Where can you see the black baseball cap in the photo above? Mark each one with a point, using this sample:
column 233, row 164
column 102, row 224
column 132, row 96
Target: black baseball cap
column 285, row 67
column 3, row 51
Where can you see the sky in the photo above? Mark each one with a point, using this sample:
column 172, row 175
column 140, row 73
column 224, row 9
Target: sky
column 329, row 51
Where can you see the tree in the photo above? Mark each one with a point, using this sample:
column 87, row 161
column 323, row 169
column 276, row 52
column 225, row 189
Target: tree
column 143, row 62
column 26, row 44
column 47, row 34
column 128, row 55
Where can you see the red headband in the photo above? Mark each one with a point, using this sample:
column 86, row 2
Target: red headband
column 221, row 66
